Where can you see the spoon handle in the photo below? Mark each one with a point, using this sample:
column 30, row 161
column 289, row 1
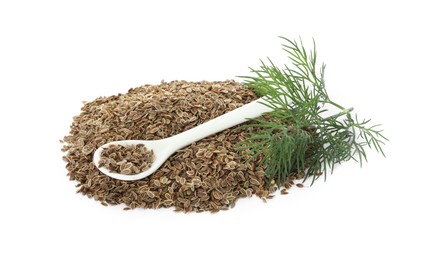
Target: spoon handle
column 225, row 121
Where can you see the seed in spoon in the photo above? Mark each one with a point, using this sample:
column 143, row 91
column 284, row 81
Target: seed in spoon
column 128, row 160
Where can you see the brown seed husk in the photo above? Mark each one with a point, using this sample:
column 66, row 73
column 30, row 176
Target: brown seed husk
column 209, row 175
column 127, row 160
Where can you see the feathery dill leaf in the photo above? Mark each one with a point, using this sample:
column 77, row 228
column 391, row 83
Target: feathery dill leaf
column 296, row 136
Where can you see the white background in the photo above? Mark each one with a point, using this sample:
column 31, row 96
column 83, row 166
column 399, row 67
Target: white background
column 382, row 58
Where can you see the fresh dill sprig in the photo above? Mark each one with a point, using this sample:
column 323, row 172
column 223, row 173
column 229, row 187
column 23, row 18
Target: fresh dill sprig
column 296, row 136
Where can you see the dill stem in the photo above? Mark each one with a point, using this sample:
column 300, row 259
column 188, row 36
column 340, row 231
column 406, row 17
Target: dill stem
column 336, row 105
column 343, row 112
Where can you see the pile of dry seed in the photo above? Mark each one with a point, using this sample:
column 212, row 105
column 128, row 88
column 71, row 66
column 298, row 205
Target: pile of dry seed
column 209, row 175
column 127, row 160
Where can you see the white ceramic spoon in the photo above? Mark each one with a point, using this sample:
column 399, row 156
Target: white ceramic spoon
column 164, row 148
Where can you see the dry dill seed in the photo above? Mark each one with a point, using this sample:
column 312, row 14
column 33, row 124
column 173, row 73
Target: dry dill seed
column 127, row 160
column 209, row 175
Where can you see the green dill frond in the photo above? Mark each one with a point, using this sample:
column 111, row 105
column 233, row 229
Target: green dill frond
column 296, row 137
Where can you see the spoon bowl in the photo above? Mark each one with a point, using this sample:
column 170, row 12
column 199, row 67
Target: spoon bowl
column 160, row 155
